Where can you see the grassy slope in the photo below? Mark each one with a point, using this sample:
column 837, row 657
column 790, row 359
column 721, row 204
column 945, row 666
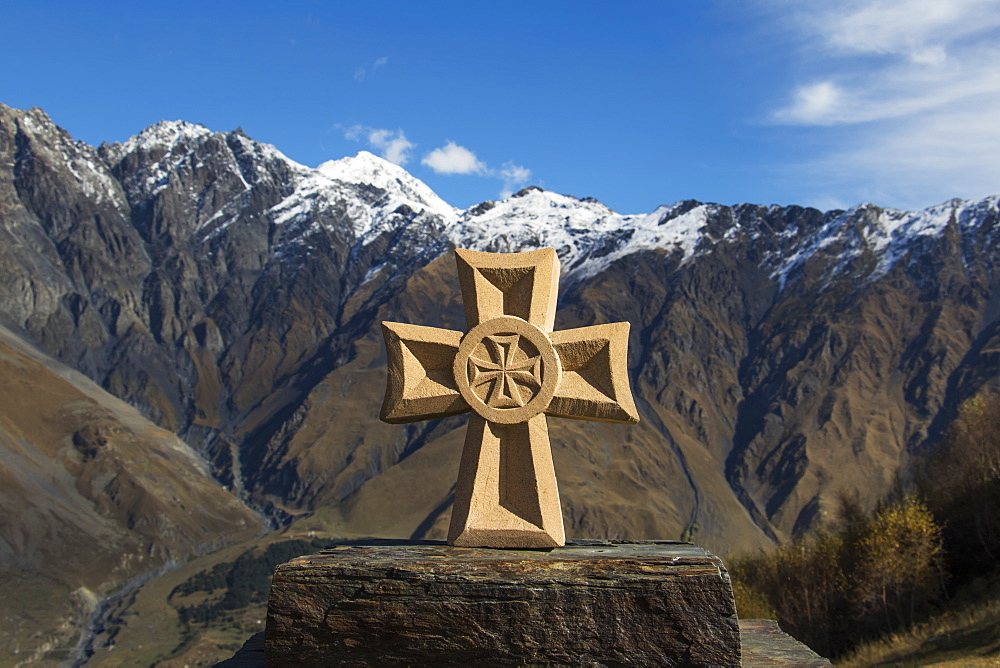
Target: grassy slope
column 965, row 633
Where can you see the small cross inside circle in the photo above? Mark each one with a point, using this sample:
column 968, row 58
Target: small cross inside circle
column 506, row 374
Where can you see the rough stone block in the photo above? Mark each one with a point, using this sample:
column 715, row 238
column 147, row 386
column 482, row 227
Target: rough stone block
column 590, row 602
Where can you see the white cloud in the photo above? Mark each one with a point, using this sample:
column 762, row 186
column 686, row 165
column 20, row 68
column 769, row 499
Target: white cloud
column 454, row 159
column 916, row 29
column 813, row 103
column 898, row 89
column 514, row 176
column 393, row 146
column 892, row 58
column 449, row 159
column 913, row 85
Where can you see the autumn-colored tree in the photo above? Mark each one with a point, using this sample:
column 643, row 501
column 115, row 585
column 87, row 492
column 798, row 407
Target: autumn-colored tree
column 962, row 484
column 897, row 566
column 838, row 587
column 974, row 440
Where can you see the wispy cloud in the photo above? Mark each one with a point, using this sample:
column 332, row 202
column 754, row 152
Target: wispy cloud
column 915, row 81
column 393, row 146
column 454, row 159
column 814, row 103
column 920, row 30
column 362, row 73
column 514, row 177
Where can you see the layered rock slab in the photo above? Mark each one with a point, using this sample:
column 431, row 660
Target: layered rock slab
column 655, row 602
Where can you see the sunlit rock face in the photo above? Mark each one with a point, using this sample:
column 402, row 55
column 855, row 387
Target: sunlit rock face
column 779, row 356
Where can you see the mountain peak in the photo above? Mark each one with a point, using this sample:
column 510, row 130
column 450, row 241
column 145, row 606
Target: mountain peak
column 368, row 169
column 364, row 168
column 526, row 191
column 34, row 121
column 162, row 135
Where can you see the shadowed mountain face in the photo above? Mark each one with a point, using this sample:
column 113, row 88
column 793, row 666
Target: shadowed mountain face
column 779, row 356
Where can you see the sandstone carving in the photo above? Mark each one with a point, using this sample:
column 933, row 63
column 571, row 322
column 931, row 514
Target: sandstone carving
column 510, row 369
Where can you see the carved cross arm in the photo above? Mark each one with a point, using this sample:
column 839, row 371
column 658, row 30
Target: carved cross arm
column 422, row 380
column 421, row 383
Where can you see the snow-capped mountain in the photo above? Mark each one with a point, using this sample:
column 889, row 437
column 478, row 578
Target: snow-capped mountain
column 779, row 355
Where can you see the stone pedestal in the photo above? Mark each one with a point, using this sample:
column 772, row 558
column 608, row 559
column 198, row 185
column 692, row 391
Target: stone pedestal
column 590, row 602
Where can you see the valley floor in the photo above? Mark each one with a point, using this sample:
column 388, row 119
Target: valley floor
column 189, row 616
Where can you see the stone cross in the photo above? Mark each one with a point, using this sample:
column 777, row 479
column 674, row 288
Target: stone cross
column 511, row 370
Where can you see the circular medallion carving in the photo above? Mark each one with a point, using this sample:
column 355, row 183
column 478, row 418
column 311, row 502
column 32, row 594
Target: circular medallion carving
column 507, row 370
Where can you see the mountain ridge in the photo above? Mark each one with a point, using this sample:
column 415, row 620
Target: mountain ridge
column 305, row 210
column 780, row 356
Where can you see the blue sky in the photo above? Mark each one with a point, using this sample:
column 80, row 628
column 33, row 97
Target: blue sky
column 826, row 104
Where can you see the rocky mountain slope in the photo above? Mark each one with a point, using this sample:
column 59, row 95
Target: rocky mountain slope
column 779, row 355
column 93, row 497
